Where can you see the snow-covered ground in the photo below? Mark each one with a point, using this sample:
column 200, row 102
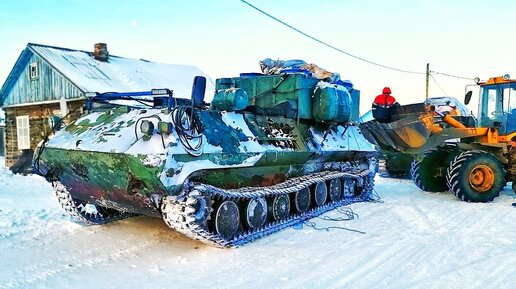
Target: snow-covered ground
column 412, row 240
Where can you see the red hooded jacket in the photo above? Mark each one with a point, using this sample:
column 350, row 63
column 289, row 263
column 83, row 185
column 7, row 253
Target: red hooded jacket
column 385, row 99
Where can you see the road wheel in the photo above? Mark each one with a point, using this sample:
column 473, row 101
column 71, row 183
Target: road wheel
column 429, row 173
column 475, row 176
column 227, row 219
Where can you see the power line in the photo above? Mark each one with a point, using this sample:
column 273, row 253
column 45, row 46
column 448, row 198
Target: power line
column 450, row 75
column 438, row 85
column 327, row 44
column 345, row 52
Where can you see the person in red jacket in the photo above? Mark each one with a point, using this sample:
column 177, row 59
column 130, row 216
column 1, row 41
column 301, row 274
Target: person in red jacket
column 384, row 105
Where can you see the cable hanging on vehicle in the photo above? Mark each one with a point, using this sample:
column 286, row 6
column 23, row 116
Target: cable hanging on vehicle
column 188, row 128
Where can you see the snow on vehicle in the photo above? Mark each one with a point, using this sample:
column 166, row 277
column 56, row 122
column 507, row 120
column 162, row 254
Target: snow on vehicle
column 269, row 151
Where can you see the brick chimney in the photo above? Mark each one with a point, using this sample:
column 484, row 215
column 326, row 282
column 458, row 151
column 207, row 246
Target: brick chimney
column 100, row 52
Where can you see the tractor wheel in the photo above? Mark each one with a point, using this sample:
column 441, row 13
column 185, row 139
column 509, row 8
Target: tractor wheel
column 429, row 173
column 395, row 165
column 475, row 176
column 398, row 166
column 382, row 170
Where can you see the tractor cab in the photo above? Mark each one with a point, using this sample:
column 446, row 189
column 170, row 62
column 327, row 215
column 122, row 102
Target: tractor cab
column 497, row 105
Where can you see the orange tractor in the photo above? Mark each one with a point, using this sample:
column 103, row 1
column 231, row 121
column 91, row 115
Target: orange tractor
column 466, row 155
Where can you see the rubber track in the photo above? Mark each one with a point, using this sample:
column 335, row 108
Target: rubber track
column 179, row 213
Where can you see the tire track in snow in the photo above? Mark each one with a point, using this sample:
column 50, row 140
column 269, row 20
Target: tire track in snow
column 19, row 224
column 493, row 272
column 382, row 265
column 40, row 272
column 453, row 222
column 88, row 247
column 496, row 278
column 341, row 273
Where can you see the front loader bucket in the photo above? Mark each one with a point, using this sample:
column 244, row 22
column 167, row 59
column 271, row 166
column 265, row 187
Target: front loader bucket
column 410, row 132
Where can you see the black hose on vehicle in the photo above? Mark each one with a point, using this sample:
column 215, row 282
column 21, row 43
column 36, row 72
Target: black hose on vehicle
column 188, row 128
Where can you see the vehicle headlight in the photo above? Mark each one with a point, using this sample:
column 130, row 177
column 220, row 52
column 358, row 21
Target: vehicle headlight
column 147, row 127
column 165, row 127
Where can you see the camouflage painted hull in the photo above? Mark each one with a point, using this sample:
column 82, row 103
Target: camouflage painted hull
column 116, row 181
column 134, row 182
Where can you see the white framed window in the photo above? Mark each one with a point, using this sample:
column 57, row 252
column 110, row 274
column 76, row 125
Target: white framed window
column 23, row 132
column 33, row 70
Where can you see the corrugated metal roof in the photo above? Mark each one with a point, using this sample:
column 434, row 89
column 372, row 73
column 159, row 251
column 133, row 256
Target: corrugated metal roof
column 119, row 74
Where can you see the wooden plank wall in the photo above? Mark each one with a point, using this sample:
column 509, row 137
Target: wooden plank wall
column 38, row 122
column 49, row 85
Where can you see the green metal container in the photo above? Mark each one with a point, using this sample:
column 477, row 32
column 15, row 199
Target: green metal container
column 331, row 104
column 230, row 99
column 286, row 92
column 355, row 108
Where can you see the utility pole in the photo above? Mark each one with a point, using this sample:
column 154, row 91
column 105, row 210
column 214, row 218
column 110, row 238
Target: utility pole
column 427, row 75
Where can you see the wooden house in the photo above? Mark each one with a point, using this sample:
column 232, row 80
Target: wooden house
column 2, row 138
column 51, row 81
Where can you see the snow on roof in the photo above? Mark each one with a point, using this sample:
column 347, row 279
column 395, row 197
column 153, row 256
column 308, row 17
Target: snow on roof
column 120, row 74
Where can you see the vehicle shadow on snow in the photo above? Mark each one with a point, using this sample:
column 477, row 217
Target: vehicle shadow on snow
column 393, row 188
column 152, row 229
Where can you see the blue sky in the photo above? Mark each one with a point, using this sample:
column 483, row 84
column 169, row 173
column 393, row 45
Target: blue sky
column 226, row 37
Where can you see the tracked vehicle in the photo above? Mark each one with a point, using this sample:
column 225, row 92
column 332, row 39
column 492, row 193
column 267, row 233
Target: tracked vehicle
column 268, row 152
